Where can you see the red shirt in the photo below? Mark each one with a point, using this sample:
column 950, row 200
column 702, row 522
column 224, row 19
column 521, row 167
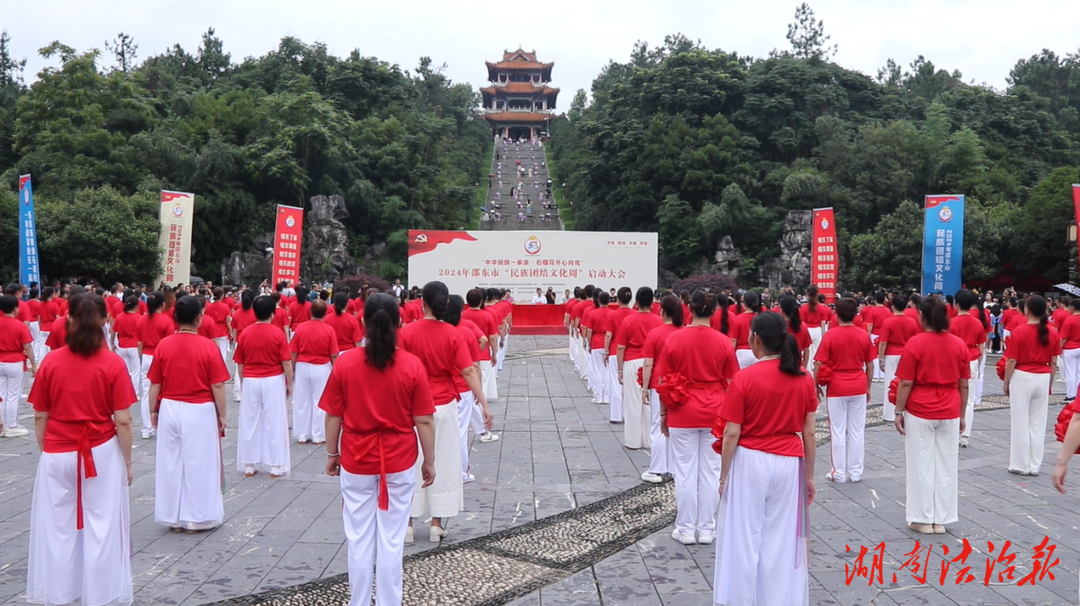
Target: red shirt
column 913, row 313
column 34, row 305
column 951, row 311
column 486, row 323
column 633, row 332
column 126, row 328
column 471, row 335
column 261, row 349
column 377, row 409
column 814, row 319
column 347, row 329
column 579, row 308
column 62, row 305
column 24, row 313
column 935, row 362
column 613, row 323
column 716, row 319
column 971, row 332
column 1057, row 319
column 13, row 336
column 740, row 330
column 1070, row 331
column 78, row 392
column 415, row 309
column 654, row 347
column 802, row 337
column 355, row 306
column 281, row 318
column 771, row 406
column 1031, row 355
column 706, row 358
column 1016, row 321
column 186, row 365
column 846, row 350
column 208, row 328
column 314, row 342
column 597, row 322
column 895, row 332
column 876, row 315
column 443, row 352
column 583, row 322
column 115, row 306
column 219, row 311
column 58, row 334
column 300, row 312
column 1008, row 315
column 152, row 329
column 241, row 319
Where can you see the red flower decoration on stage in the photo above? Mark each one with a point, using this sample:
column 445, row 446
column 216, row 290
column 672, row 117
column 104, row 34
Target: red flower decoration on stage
column 894, row 388
column 1001, row 368
column 641, row 376
column 824, row 375
column 673, row 390
column 1063, row 421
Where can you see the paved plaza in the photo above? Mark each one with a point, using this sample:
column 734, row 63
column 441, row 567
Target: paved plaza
column 558, row 515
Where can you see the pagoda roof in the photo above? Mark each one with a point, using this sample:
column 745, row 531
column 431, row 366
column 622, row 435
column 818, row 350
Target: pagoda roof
column 519, row 59
column 517, row 117
column 520, row 87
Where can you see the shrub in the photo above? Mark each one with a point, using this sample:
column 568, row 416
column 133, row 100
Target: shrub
column 353, row 283
column 712, row 282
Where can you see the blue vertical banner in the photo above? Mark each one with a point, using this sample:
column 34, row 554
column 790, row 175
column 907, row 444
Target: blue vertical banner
column 29, row 265
column 943, row 244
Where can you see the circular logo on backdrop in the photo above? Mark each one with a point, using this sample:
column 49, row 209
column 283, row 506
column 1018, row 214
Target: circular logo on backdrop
column 289, row 221
column 824, row 224
column 945, row 214
column 532, row 245
column 178, row 210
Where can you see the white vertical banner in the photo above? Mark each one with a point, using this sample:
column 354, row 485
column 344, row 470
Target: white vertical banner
column 177, row 210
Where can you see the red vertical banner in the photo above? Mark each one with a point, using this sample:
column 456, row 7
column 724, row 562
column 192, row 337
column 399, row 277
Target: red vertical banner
column 1076, row 207
column 824, row 259
column 289, row 234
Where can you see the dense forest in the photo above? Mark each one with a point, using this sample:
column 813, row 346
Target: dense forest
column 102, row 132
column 699, row 144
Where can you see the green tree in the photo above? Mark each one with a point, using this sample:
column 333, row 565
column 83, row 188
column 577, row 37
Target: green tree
column 1042, row 226
column 807, row 36
column 679, row 239
column 891, row 254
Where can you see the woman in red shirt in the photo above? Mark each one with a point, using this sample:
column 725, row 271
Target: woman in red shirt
column 151, row 329
column 80, row 531
column 594, row 334
column 769, row 468
column 16, row 350
column 671, row 314
column 630, row 357
column 895, row 332
column 125, row 333
column 187, row 392
column 740, row 334
column 789, row 309
column 344, row 323
column 469, row 411
column 704, row 361
column 314, row 348
column 815, row 316
column 849, row 355
column 972, row 332
column 1069, row 331
column 445, row 356
column 373, row 401
column 1031, row 362
column 265, row 366
column 241, row 318
column 934, row 373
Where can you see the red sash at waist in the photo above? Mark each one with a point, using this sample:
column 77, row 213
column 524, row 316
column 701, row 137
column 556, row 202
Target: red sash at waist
column 82, row 447
column 368, row 441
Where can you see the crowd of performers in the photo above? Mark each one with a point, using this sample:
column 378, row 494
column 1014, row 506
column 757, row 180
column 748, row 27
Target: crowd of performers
column 722, row 389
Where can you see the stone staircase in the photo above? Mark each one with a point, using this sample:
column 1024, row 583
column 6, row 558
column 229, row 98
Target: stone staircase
column 519, row 190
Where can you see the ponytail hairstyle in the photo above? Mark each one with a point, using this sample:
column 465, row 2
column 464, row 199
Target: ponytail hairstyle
column 722, row 303
column 846, row 308
column 381, row 320
column 965, row 299
column 702, row 304
column 790, row 306
column 771, row 332
column 436, row 295
column 47, row 293
column 644, row 298
column 1036, row 306
column 131, row 304
column 811, row 297
column 341, row 302
column 86, row 316
column 672, row 306
column 935, row 314
column 219, row 293
column 625, row 295
column 247, row 299
column 154, row 302
column 170, row 297
column 899, row 302
column 752, row 301
column 982, row 313
column 454, row 307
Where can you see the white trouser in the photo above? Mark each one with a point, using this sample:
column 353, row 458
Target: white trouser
column 308, row 420
column 92, row 565
column 144, row 392
column 1070, row 368
column 847, row 424
column 37, row 343
column 1029, row 395
column 11, row 386
column 237, row 388
column 598, row 374
column 978, row 388
column 573, row 350
column 659, row 460
column 223, row 346
column 763, row 532
column 969, row 413
column 745, row 357
column 501, row 355
column 638, row 419
column 878, row 373
column 376, row 538
column 489, row 380
column 815, row 340
column 697, row 479
column 465, row 419
column 263, row 435
column 445, row 497
column 614, row 389
column 188, row 468
column 130, row 356
column 932, row 453
column 888, row 409
column 582, row 363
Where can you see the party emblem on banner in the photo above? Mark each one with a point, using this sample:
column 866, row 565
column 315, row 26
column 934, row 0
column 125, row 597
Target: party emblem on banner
column 178, row 210
column 532, row 245
column 945, row 214
column 824, row 223
column 421, row 238
column 290, row 221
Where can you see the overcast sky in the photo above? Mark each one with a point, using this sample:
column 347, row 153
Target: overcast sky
column 983, row 39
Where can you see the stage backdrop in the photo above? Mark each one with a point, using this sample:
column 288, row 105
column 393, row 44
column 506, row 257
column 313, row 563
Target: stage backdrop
column 523, row 261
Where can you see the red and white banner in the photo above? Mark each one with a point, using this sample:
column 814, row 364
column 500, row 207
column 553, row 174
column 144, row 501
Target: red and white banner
column 289, row 234
column 1076, row 207
column 176, row 212
column 824, row 260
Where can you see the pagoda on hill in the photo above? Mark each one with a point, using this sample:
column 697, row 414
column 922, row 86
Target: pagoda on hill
column 519, row 103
